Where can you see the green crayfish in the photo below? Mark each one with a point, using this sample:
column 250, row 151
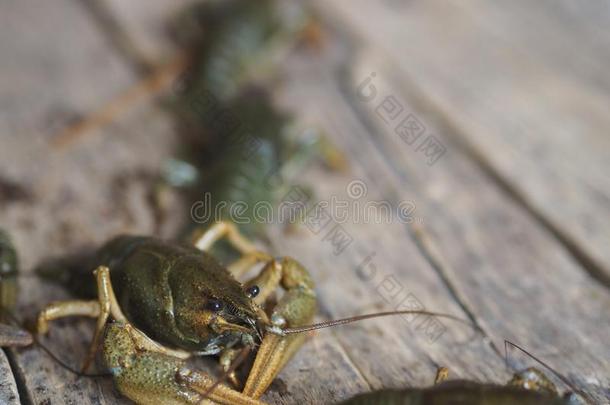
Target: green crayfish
column 530, row 386
column 9, row 269
column 180, row 296
column 239, row 148
column 9, row 266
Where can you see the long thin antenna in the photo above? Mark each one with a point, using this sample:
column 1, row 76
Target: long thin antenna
column 236, row 363
column 337, row 322
column 65, row 365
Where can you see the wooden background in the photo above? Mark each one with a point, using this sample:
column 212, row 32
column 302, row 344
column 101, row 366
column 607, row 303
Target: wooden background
column 511, row 226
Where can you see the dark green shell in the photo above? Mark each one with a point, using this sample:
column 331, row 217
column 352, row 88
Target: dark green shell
column 235, row 138
column 227, row 37
column 9, row 266
column 160, row 285
column 457, row 393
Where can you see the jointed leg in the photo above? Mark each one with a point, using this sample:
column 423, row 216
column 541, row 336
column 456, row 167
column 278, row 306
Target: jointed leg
column 101, row 309
column 152, row 377
column 244, row 263
column 220, row 230
column 297, row 307
column 250, row 255
column 108, row 305
column 143, row 370
column 227, row 357
column 442, row 373
column 201, row 383
column 268, row 280
column 64, row 309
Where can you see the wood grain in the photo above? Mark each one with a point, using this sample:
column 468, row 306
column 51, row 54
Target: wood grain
column 9, row 393
column 507, row 271
column 505, row 225
column 146, row 25
column 524, row 87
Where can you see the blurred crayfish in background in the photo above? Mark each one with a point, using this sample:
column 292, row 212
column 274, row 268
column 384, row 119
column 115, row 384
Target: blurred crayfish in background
column 238, row 147
column 9, row 270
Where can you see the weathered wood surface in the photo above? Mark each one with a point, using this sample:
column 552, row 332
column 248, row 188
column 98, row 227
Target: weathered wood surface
column 479, row 244
column 9, row 393
column 526, row 90
column 482, row 244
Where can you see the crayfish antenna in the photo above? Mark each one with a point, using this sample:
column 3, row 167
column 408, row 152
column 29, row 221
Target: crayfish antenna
column 243, row 355
column 337, row 322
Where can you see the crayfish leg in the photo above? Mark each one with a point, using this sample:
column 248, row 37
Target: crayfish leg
column 442, row 374
column 272, row 355
column 223, row 229
column 296, row 307
column 153, row 377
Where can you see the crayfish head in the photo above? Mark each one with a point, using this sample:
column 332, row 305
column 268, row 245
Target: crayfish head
column 212, row 309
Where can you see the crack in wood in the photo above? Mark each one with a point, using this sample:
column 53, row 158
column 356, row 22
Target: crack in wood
column 22, row 389
column 118, row 38
column 430, row 252
column 418, row 235
column 461, row 142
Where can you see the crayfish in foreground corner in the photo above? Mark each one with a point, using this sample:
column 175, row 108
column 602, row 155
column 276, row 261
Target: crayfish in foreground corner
column 528, row 387
column 180, row 296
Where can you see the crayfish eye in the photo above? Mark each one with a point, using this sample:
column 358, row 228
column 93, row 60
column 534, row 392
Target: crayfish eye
column 252, row 291
column 214, row 305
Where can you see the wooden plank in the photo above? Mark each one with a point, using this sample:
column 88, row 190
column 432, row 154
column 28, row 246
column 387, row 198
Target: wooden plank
column 356, row 358
column 523, row 106
column 8, row 387
column 108, row 189
column 511, row 274
column 342, row 375
column 95, row 215
column 82, row 195
column 49, row 78
column 75, row 196
column 144, row 25
column 336, row 382
column 46, row 87
column 388, row 352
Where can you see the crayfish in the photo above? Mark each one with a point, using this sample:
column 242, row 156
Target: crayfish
column 10, row 335
column 529, row 386
column 169, row 301
column 180, row 295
